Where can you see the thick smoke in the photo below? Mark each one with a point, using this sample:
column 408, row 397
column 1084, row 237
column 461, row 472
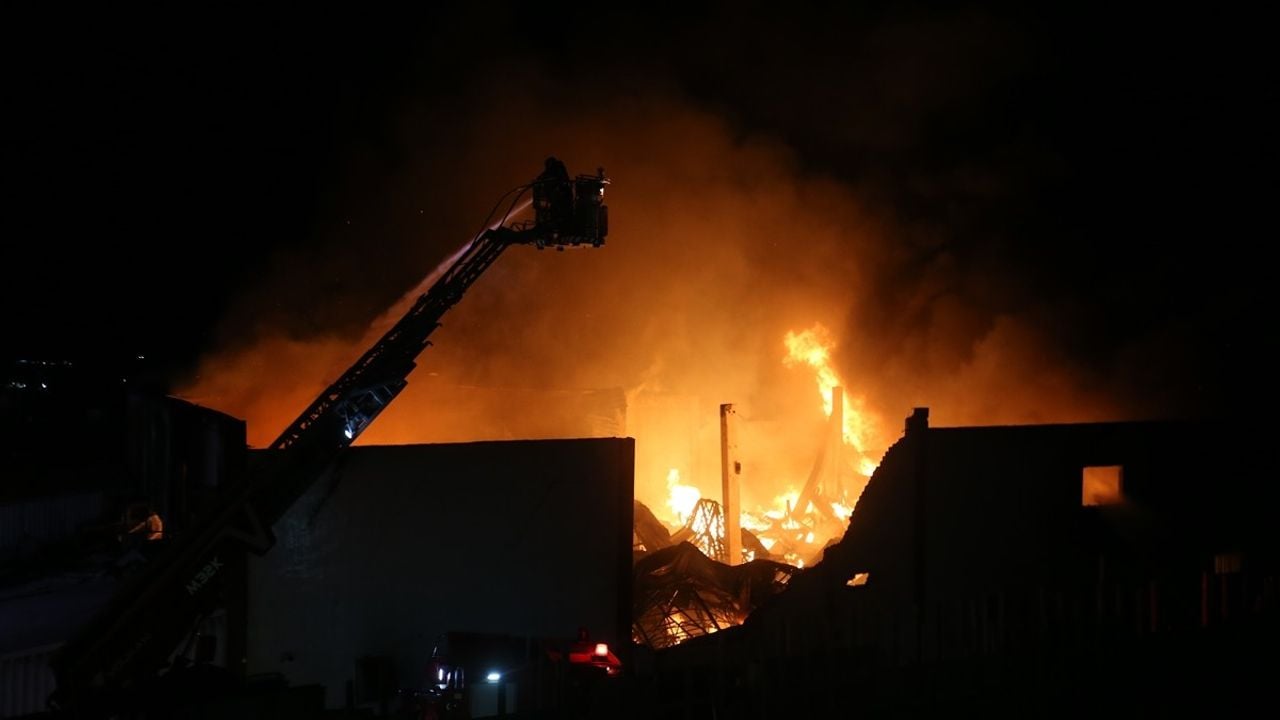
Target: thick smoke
column 719, row 245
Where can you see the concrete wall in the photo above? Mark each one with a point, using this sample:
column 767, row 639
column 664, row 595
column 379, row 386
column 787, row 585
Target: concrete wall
column 399, row 544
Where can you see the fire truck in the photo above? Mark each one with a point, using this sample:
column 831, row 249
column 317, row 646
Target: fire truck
column 481, row 675
column 116, row 659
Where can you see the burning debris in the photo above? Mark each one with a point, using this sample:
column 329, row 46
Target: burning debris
column 680, row 594
column 650, row 533
column 683, row 585
column 704, row 531
column 708, row 530
column 689, row 580
column 795, row 525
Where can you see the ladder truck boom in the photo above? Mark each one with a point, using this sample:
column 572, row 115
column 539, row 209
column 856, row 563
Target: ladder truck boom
column 125, row 645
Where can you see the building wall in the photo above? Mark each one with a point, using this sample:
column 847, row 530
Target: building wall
column 182, row 457
column 992, row 586
column 73, row 457
column 970, row 510
column 400, row 544
column 28, row 525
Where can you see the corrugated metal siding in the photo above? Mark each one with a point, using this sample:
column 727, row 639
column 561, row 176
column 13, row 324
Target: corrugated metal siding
column 26, row 681
column 27, row 525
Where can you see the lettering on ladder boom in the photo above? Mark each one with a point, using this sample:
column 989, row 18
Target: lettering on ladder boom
column 202, row 578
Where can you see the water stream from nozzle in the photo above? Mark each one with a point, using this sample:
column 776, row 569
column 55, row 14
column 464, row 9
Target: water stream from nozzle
column 397, row 309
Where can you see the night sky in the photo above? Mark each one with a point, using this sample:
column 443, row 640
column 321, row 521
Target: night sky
column 161, row 173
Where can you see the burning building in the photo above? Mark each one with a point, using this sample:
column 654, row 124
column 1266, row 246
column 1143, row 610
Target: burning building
column 1014, row 568
column 690, row 578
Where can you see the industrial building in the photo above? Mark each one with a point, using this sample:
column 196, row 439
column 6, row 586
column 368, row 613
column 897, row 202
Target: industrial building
column 97, row 476
column 155, row 566
column 373, row 567
column 398, row 546
column 985, row 569
column 1050, row 569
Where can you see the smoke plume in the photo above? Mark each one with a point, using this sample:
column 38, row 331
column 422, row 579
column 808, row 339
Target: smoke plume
column 929, row 188
column 720, row 243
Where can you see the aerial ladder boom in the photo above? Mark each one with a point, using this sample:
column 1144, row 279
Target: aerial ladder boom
column 135, row 635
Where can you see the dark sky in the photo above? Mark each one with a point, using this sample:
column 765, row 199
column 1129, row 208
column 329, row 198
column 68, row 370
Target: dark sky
column 1114, row 167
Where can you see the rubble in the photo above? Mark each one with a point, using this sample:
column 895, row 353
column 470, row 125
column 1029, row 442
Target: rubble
column 680, row 593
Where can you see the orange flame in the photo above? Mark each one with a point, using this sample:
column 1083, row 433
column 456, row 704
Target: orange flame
column 681, row 498
column 798, row 534
column 813, row 347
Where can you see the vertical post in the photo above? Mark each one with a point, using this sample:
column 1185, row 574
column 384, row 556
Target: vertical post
column 730, row 476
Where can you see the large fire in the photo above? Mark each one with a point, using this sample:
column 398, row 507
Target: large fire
column 721, row 243
column 796, row 524
column 813, row 347
column 682, row 498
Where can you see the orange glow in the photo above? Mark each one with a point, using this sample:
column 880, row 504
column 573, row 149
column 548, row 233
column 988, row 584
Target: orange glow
column 696, row 301
column 787, row 530
column 867, row 467
column 813, row 347
column 785, row 504
column 681, row 498
column 602, row 649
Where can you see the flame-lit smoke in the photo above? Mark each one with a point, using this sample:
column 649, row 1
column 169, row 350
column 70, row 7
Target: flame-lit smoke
column 720, row 246
column 813, row 347
column 800, row 533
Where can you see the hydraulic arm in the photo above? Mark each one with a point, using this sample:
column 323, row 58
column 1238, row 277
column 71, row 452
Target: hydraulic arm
column 127, row 643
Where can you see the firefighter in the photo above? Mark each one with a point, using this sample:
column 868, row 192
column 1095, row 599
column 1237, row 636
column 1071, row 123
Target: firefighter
column 553, row 200
column 152, row 527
